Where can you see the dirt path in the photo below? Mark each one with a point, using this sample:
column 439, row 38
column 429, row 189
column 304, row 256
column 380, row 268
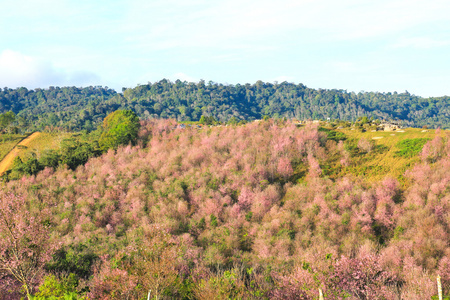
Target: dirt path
column 9, row 158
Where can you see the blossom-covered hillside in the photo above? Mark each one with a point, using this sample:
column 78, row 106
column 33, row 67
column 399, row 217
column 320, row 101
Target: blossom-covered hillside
column 258, row 211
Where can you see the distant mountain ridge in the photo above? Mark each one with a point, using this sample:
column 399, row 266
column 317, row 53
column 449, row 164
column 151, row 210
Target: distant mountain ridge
column 84, row 108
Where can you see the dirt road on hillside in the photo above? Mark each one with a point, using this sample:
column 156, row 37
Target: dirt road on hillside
column 6, row 163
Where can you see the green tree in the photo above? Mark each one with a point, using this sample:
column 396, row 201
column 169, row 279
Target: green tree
column 119, row 128
column 30, row 165
column 233, row 120
column 50, row 158
column 6, row 119
column 63, row 288
column 207, row 120
column 364, row 120
column 73, row 153
column 202, row 120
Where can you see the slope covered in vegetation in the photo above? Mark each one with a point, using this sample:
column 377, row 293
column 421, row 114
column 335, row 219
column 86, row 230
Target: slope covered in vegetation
column 8, row 160
column 85, row 108
column 262, row 210
column 51, row 149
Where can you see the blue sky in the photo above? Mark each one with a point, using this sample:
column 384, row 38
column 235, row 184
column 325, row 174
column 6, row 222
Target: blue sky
column 355, row 45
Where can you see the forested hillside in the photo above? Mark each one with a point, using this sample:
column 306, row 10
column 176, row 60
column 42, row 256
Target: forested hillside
column 265, row 210
column 66, row 107
column 188, row 101
column 85, row 108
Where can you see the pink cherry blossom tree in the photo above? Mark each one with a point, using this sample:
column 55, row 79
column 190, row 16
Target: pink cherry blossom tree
column 24, row 241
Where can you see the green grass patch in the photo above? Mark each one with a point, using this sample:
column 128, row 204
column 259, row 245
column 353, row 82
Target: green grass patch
column 333, row 134
column 410, row 147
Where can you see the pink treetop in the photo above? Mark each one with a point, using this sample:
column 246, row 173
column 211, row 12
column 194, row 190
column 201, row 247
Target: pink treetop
column 314, row 167
column 284, row 167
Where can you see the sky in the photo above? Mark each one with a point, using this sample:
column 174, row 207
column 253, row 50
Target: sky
column 353, row 45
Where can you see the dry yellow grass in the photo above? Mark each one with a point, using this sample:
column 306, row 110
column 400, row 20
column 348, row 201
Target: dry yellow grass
column 8, row 142
column 7, row 161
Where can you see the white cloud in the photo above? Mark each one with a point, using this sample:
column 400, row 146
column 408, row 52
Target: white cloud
column 17, row 69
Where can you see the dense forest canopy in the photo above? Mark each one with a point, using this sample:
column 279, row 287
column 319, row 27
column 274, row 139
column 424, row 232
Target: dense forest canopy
column 85, row 108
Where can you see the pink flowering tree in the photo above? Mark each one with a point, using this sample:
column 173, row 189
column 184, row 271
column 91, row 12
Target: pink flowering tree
column 157, row 261
column 284, row 168
column 363, row 278
column 365, row 145
column 24, row 241
column 112, row 281
column 314, row 167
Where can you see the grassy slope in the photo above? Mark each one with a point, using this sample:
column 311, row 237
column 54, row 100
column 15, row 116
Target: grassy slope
column 7, row 143
column 382, row 161
column 40, row 143
column 8, row 160
column 45, row 141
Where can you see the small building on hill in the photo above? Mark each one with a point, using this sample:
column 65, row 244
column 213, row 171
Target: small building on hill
column 389, row 126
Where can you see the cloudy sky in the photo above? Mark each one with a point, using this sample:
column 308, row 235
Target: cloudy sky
column 355, row 45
